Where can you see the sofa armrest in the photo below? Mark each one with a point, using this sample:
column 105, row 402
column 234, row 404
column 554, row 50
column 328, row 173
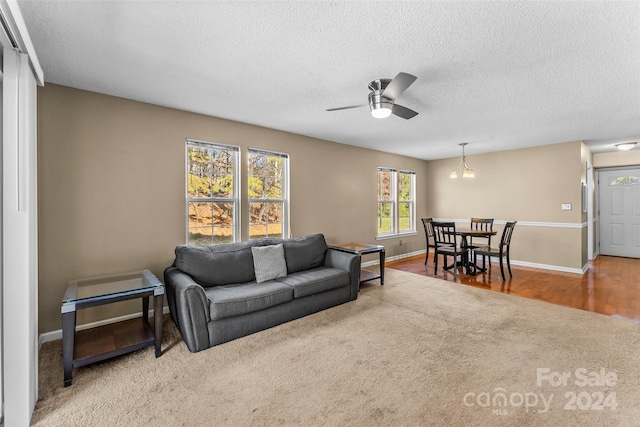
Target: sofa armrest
column 348, row 262
column 189, row 308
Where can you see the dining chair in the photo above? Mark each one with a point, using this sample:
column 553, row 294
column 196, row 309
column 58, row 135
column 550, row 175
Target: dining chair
column 444, row 238
column 483, row 224
column 503, row 250
column 428, row 232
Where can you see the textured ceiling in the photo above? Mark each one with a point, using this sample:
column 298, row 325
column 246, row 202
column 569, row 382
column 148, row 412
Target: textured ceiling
column 497, row 75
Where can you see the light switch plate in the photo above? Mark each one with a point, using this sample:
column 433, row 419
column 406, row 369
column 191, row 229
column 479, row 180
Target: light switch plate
column 566, row 206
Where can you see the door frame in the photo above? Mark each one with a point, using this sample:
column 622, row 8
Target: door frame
column 18, row 218
column 598, row 198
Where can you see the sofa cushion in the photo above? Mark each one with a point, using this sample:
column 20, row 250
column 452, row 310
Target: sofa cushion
column 309, row 282
column 304, row 253
column 217, row 265
column 268, row 262
column 234, row 300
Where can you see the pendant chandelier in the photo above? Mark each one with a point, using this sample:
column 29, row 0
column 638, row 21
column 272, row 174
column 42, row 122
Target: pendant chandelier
column 462, row 170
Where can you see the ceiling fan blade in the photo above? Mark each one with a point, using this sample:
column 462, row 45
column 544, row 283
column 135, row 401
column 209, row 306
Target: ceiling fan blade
column 404, row 112
column 347, row 108
column 398, row 85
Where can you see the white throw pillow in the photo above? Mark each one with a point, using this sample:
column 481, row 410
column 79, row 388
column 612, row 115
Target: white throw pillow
column 268, row 262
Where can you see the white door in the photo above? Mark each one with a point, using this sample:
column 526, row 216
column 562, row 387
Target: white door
column 619, row 192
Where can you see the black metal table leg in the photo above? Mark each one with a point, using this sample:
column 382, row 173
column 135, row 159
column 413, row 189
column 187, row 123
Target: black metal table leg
column 382, row 256
column 157, row 317
column 145, row 309
column 68, row 338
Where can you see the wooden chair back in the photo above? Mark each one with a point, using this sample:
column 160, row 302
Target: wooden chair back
column 428, row 232
column 428, row 227
column 505, row 241
column 444, row 233
column 484, row 224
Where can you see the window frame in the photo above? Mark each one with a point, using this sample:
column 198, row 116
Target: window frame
column 391, row 201
column 395, row 202
column 235, row 199
column 411, row 201
column 285, row 200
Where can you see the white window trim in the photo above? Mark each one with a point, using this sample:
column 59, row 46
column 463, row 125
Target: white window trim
column 395, row 236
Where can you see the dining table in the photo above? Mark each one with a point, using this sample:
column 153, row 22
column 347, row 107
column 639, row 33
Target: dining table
column 472, row 232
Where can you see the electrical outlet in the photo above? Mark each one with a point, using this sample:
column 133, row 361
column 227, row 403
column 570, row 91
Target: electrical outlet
column 566, row 206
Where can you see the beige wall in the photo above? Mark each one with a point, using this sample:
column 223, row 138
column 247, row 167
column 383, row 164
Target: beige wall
column 618, row 158
column 528, row 185
column 111, row 189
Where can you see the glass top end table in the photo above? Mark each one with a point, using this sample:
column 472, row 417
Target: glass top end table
column 363, row 249
column 107, row 287
column 92, row 345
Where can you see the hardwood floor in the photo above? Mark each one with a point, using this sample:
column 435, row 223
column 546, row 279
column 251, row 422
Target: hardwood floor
column 611, row 286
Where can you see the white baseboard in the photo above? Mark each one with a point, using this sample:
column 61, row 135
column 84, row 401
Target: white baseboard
column 551, row 267
column 513, row 262
column 57, row 334
column 393, row 258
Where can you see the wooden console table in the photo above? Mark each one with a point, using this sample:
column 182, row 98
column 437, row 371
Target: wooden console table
column 103, row 342
column 363, row 249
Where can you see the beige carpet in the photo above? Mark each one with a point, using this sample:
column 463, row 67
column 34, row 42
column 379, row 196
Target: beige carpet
column 417, row 351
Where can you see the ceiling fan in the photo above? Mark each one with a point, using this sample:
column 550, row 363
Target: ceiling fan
column 383, row 97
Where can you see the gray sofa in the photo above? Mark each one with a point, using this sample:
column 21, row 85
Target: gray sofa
column 213, row 295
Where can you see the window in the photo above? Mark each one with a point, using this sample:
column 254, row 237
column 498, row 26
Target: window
column 212, row 193
column 406, row 204
column 386, row 201
column 625, row 180
column 268, row 194
column 396, row 202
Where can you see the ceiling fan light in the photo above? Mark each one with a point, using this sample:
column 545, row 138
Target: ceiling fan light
column 381, row 107
column 380, row 112
column 626, row 146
